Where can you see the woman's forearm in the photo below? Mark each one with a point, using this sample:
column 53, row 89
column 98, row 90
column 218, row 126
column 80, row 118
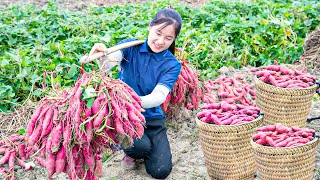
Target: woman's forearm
column 156, row 97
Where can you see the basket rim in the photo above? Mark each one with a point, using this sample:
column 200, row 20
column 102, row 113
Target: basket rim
column 314, row 140
column 257, row 80
column 235, row 125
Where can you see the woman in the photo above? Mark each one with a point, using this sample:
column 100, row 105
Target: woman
column 151, row 70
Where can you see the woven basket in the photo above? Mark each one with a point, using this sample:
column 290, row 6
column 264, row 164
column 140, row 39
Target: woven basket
column 285, row 163
column 227, row 150
column 289, row 107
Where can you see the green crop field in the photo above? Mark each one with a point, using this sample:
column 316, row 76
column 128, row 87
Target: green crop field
column 40, row 48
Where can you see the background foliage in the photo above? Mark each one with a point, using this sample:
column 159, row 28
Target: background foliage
column 40, row 48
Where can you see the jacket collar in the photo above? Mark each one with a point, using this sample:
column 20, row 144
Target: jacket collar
column 158, row 56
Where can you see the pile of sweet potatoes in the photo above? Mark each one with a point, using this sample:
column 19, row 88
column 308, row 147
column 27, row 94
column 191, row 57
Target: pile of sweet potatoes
column 279, row 135
column 284, row 77
column 229, row 89
column 224, row 113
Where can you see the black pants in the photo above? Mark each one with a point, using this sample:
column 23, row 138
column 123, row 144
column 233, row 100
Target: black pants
column 154, row 148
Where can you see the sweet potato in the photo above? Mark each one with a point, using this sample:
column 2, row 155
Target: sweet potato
column 12, row 159
column 33, row 120
column 98, row 120
column 262, row 140
column 270, row 141
column 41, row 161
column 50, row 164
column 98, row 169
column 25, row 166
column 88, row 155
column 281, row 129
column 211, row 106
column 56, row 138
column 60, row 160
column 47, row 121
column 35, row 135
column 266, row 128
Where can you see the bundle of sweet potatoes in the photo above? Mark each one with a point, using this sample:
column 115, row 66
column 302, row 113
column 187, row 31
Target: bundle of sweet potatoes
column 69, row 132
column 186, row 91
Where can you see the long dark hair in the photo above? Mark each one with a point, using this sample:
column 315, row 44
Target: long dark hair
column 168, row 16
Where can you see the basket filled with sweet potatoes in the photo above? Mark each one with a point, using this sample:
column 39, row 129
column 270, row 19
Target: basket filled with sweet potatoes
column 225, row 131
column 283, row 152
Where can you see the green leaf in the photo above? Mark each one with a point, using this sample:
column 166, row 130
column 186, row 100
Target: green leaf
column 22, row 131
column 86, row 167
column 4, row 109
column 307, row 22
column 57, row 80
column 35, row 78
column 6, row 91
column 73, row 70
column 50, row 67
column 90, row 102
column 37, row 93
column 20, row 76
column 89, row 92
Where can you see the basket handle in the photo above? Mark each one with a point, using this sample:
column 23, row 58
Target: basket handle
column 318, row 90
column 86, row 59
column 312, row 119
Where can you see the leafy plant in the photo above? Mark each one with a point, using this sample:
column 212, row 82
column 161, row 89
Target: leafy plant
column 40, row 48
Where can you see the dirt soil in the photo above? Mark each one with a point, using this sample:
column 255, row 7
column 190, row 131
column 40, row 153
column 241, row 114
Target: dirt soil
column 188, row 159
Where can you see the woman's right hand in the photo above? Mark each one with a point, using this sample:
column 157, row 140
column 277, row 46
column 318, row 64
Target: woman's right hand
column 98, row 47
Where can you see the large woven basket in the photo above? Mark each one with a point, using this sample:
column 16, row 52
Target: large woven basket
column 227, row 150
column 289, row 107
column 285, row 163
